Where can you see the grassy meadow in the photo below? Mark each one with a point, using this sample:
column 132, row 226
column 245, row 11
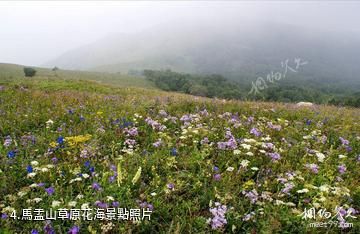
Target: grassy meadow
column 198, row 165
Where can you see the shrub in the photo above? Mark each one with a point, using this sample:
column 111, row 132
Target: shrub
column 29, row 72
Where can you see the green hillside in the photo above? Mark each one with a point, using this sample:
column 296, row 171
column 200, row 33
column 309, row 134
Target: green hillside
column 195, row 165
column 13, row 73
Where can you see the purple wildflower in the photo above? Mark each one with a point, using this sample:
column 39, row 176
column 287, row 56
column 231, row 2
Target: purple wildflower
column 252, row 195
column 170, row 186
column 274, row 156
column 217, row 177
column 204, row 141
column 132, row 131
column 275, row 127
column 348, row 148
column 250, row 119
column 186, row 118
column 255, row 131
column 230, row 144
column 248, row 216
column 48, row 228
column 145, row 205
column 219, row 220
column 112, row 178
column 130, row 142
column 4, row 216
column 204, row 112
column 313, row 167
column 268, row 146
column 34, row 231
column 157, row 144
column 74, row 230
column 85, row 153
column 96, row 186
column 344, row 141
column 222, row 145
column 163, row 113
column 101, row 204
column 26, row 139
column 50, row 190
column 7, row 141
column 154, row 124
column 307, row 200
column 54, row 160
column 288, row 187
column 115, row 203
column 150, row 206
column 342, row 168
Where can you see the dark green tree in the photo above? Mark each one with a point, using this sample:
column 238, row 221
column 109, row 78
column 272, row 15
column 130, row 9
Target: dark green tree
column 29, row 72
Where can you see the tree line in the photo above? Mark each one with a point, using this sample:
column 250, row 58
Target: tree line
column 215, row 85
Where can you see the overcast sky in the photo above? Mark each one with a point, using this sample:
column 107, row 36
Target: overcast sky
column 31, row 33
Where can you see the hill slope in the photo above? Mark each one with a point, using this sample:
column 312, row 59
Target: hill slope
column 78, row 144
column 10, row 72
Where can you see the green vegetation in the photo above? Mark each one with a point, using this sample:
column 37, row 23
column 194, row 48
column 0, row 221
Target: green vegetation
column 29, row 72
column 75, row 144
column 12, row 72
column 281, row 91
column 205, row 85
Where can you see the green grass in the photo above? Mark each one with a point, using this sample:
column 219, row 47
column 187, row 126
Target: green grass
column 11, row 72
column 95, row 122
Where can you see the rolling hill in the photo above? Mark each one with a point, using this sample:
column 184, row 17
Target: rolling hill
column 14, row 72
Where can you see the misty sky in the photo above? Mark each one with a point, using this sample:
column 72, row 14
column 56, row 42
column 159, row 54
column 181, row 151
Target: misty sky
column 31, row 33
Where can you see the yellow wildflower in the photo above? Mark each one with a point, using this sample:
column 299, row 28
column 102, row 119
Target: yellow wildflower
column 74, row 140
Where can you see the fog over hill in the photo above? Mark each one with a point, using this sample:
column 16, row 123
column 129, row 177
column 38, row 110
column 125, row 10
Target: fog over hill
column 236, row 49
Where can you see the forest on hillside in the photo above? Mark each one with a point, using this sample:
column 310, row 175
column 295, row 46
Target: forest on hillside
column 216, row 85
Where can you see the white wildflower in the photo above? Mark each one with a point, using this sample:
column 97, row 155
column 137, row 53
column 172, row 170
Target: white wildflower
column 37, row 199
column 85, row 206
column 31, row 175
column 320, row 156
column 246, row 146
column 244, row 163
column 237, row 152
column 109, row 198
column 44, row 169
column 55, row 204
column 230, row 169
column 72, row 203
column 303, row 190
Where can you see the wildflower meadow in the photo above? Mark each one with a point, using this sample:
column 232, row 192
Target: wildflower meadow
column 147, row 161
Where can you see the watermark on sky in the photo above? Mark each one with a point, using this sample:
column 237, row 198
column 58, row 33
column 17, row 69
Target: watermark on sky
column 261, row 83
